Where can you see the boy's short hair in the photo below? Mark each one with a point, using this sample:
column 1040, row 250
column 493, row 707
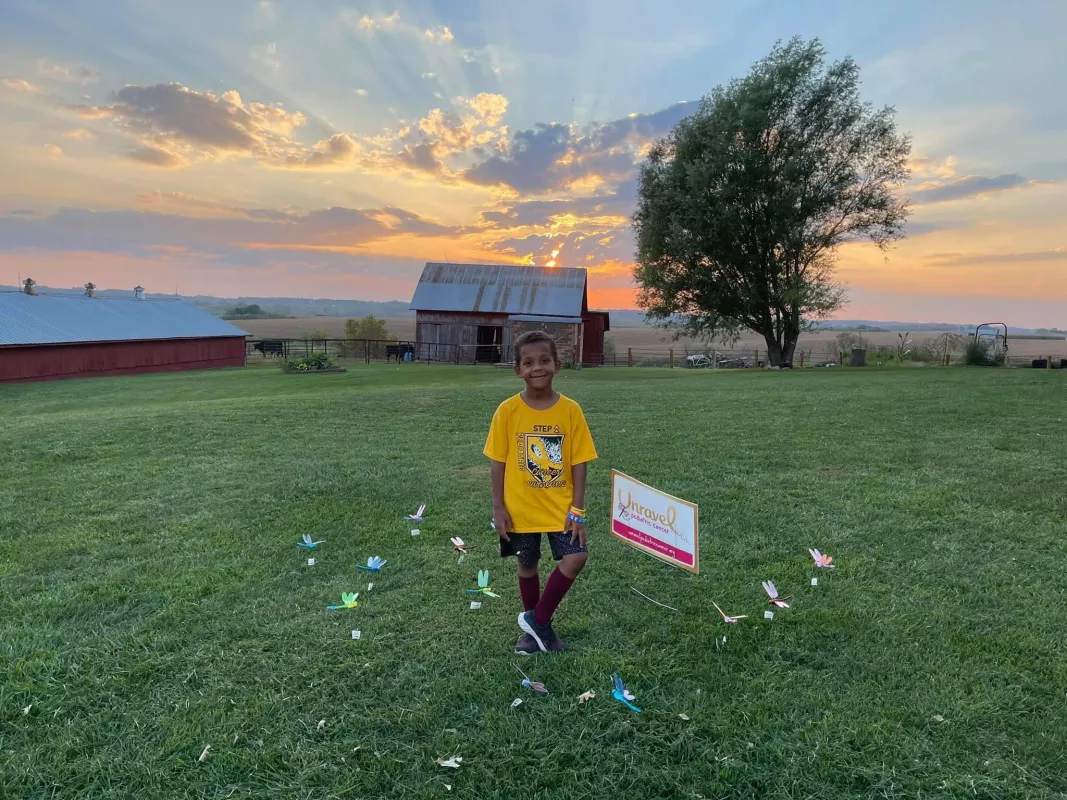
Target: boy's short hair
column 534, row 337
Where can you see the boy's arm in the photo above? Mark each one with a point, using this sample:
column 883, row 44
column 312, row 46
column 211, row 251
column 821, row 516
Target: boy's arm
column 577, row 529
column 501, row 518
column 578, row 472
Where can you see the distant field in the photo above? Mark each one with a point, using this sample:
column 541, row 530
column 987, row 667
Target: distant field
column 153, row 601
column 816, row 345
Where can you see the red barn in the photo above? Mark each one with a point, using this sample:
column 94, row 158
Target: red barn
column 65, row 336
column 471, row 313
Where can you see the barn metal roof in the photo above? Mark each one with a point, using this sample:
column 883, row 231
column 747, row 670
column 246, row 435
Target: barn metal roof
column 501, row 289
column 68, row 319
column 542, row 318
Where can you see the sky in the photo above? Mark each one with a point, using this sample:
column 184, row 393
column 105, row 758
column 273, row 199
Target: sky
column 330, row 149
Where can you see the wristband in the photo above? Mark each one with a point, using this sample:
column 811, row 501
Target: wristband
column 575, row 518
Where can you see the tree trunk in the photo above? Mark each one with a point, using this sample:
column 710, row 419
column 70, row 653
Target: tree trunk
column 781, row 354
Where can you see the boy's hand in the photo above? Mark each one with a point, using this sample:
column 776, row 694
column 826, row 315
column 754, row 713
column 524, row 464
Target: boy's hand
column 502, row 522
column 576, row 530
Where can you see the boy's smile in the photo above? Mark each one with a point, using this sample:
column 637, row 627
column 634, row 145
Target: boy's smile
column 537, row 367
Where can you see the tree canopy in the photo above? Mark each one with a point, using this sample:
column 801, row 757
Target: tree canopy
column 742, row 207
column 370, row 327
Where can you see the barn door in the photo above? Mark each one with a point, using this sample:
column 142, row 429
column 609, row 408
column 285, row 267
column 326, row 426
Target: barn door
column 489, row 348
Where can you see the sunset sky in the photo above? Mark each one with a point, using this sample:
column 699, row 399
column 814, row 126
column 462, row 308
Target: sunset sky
column 329, row 149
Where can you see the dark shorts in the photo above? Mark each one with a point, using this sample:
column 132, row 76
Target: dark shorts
column 527, row 547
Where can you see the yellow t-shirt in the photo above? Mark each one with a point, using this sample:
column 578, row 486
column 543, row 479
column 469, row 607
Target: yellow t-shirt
column 539, row 448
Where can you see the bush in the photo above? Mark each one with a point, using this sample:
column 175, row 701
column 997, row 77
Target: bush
column 315, row 361
column 978, row 354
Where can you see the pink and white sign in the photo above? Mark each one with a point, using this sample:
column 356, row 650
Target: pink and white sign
column 650, row 520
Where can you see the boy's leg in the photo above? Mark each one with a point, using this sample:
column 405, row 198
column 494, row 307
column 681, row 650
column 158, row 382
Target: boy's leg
column 527, row 549
column 538, row 623
column 529, row 585
column 558, row 584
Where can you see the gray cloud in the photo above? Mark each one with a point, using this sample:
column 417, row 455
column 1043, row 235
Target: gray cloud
column 554, row 156
column 338, row 149
column 146, row 232
column 971, row 186
column 73, row 73
column 155, row 157
column 964, row 259
column 530, row 165
column 420, row 157
column 175, row 125
column 540, row 212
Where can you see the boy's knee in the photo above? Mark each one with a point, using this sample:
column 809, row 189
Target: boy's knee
column 573, row 563
column 527, row 570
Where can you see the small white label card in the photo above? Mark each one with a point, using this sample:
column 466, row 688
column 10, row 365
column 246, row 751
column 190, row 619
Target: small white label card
column 475, row 605
column 355, row 634
column 768, row 615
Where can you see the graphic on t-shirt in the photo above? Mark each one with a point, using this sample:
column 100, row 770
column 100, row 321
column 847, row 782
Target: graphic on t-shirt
column 544, row 457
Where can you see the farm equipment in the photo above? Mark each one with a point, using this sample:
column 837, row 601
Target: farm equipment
column 715, row 361
column 995, row 341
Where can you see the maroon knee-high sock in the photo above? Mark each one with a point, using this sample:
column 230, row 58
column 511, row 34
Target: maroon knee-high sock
column 555, row 588
column 529, row 591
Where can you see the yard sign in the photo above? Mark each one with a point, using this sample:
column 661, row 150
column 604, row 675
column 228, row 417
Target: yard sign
column 650, row 520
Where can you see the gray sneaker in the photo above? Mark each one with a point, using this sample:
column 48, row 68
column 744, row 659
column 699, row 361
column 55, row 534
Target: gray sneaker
column 526, row 646
column 543, row 635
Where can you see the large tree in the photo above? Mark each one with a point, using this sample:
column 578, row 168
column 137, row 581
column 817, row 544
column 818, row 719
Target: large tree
column 742, row 206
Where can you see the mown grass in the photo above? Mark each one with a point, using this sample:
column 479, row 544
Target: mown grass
column 153, row 600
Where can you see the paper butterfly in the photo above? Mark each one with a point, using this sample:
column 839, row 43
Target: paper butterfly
column 459, row 547
column 348, row 600
column 308, row 543
column 529, row 684
column 483, row 584
column 620, row 693
column 374, row 564
column 725, row 618
column 417, row 516
column 820, row 559
column 781, row 602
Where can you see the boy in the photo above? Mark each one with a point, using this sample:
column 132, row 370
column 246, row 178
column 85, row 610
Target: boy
column 539, row 445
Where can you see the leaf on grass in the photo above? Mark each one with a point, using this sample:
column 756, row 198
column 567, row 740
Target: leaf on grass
column 451, row 730
column 452, row 763
column 322, row 724
column 586, row 696
column 938, row 718
column 683, row 716
column 448, row 787
column 26, row 710
column 203, row 756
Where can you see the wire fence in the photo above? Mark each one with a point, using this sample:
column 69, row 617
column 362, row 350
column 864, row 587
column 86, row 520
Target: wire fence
column 370, row 350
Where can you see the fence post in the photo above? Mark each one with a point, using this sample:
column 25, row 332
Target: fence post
column 629, row 356
column 366, row 350
column 756, row 362
column 801, row 359
column 670, row 362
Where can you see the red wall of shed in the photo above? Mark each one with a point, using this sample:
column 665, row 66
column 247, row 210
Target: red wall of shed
column 45, row 362
column 593, row 339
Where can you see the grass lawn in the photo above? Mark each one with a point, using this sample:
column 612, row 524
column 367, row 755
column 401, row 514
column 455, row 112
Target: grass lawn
column 153, row 599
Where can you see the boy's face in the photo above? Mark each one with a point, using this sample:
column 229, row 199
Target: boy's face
column 537, row 366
